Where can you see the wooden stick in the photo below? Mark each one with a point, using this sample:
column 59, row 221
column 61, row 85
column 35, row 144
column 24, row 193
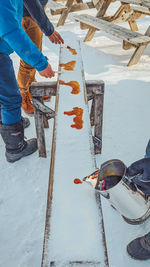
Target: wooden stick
column 58, row 71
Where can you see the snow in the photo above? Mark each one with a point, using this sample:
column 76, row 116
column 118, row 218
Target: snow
column 126, row 128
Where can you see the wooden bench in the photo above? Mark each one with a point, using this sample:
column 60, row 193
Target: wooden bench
column 138, row 40
column 70, row 6
column 72, row 155
column 143, row 3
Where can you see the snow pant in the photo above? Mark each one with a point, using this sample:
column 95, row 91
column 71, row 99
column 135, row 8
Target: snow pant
column 10, row 98
column 26, row 73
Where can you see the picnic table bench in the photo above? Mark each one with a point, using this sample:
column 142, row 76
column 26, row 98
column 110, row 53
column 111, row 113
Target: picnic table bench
column 131, row 38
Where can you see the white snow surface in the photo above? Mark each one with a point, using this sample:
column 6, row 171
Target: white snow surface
column 126, row 131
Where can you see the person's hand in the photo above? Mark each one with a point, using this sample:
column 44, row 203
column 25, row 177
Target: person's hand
column 141, row 166
column 47, row 72
column 56, row 38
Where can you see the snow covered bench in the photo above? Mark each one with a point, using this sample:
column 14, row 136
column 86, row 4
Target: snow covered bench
column 138, row 40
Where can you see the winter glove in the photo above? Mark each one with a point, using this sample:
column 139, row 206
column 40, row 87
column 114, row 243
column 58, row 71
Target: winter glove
column 141, row 172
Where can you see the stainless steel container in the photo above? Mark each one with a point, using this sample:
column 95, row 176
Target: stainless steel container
column 125, row 197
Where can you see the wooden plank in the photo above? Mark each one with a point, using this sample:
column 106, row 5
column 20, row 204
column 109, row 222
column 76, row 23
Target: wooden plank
column 76, row 7
column 141, row 9
column 118, row 31
column 76, row 264
column 90, row 35
column 55, row 6
column 43, row 108
column 98, row 117
column 66, row 228
column 101, row 12
column 139, row 51
column 39, row 125
column 65, row 13
column 144, row 3
column 44, row 262
column 43, row 88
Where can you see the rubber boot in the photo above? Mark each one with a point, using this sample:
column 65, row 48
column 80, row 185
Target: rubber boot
column 16, row 146
column 139, row 248
column 26, row 104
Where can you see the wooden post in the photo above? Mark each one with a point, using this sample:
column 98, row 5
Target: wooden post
column 65, row 13
column 101, row 12
column 95, row 91
column 92, row 113
column 98, row 117
column 138, row 51
column 39, row 124
column 42, row 113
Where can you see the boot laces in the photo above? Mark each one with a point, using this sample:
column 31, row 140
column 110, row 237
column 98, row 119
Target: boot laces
column 27, row 99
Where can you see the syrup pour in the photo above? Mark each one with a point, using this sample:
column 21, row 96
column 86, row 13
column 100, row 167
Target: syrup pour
column 77, row 181
column 73, row 51
column 74, row 84
column 69, row 65
column 78, row 112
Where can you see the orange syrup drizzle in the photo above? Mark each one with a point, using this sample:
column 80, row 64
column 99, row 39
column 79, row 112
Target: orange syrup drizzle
column 73, row 51
column 78, row 122
column 69, row 65
column 77, row 181
column 74, row 84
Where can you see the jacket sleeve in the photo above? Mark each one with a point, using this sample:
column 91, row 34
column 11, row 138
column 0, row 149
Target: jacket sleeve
column 19, row 41
column 36, row 11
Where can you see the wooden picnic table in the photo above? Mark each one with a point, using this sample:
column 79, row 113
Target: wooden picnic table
column 129, row 11
column 71, row 6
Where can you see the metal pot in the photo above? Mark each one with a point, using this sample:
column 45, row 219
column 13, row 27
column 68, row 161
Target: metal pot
column 125, row 197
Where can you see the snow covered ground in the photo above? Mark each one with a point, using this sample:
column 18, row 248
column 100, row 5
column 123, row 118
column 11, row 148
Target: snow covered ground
column 126, row 131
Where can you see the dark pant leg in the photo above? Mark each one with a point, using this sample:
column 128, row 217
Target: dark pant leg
column 10, row 98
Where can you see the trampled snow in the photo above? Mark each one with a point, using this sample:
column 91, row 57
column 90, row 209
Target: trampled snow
column 126, row 131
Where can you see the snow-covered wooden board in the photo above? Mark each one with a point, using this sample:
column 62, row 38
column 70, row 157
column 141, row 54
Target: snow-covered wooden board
column 74, row 233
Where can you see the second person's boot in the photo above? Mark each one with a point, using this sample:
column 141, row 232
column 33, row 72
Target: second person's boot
column 26, row 104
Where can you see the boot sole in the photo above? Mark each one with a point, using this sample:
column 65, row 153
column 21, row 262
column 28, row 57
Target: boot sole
column 132, row 257
column 14, row 157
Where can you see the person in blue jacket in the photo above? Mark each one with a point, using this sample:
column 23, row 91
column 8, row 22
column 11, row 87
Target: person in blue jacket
column 13, row 38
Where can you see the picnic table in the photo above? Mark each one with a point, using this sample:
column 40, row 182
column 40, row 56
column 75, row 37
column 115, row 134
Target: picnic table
column 130, row 11
column 69, row 6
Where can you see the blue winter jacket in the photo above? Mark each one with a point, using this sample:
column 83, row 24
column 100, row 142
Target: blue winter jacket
column 13, row 37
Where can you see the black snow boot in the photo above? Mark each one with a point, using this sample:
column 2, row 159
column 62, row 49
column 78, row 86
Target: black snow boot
column 16, row 146
column 139, row 248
